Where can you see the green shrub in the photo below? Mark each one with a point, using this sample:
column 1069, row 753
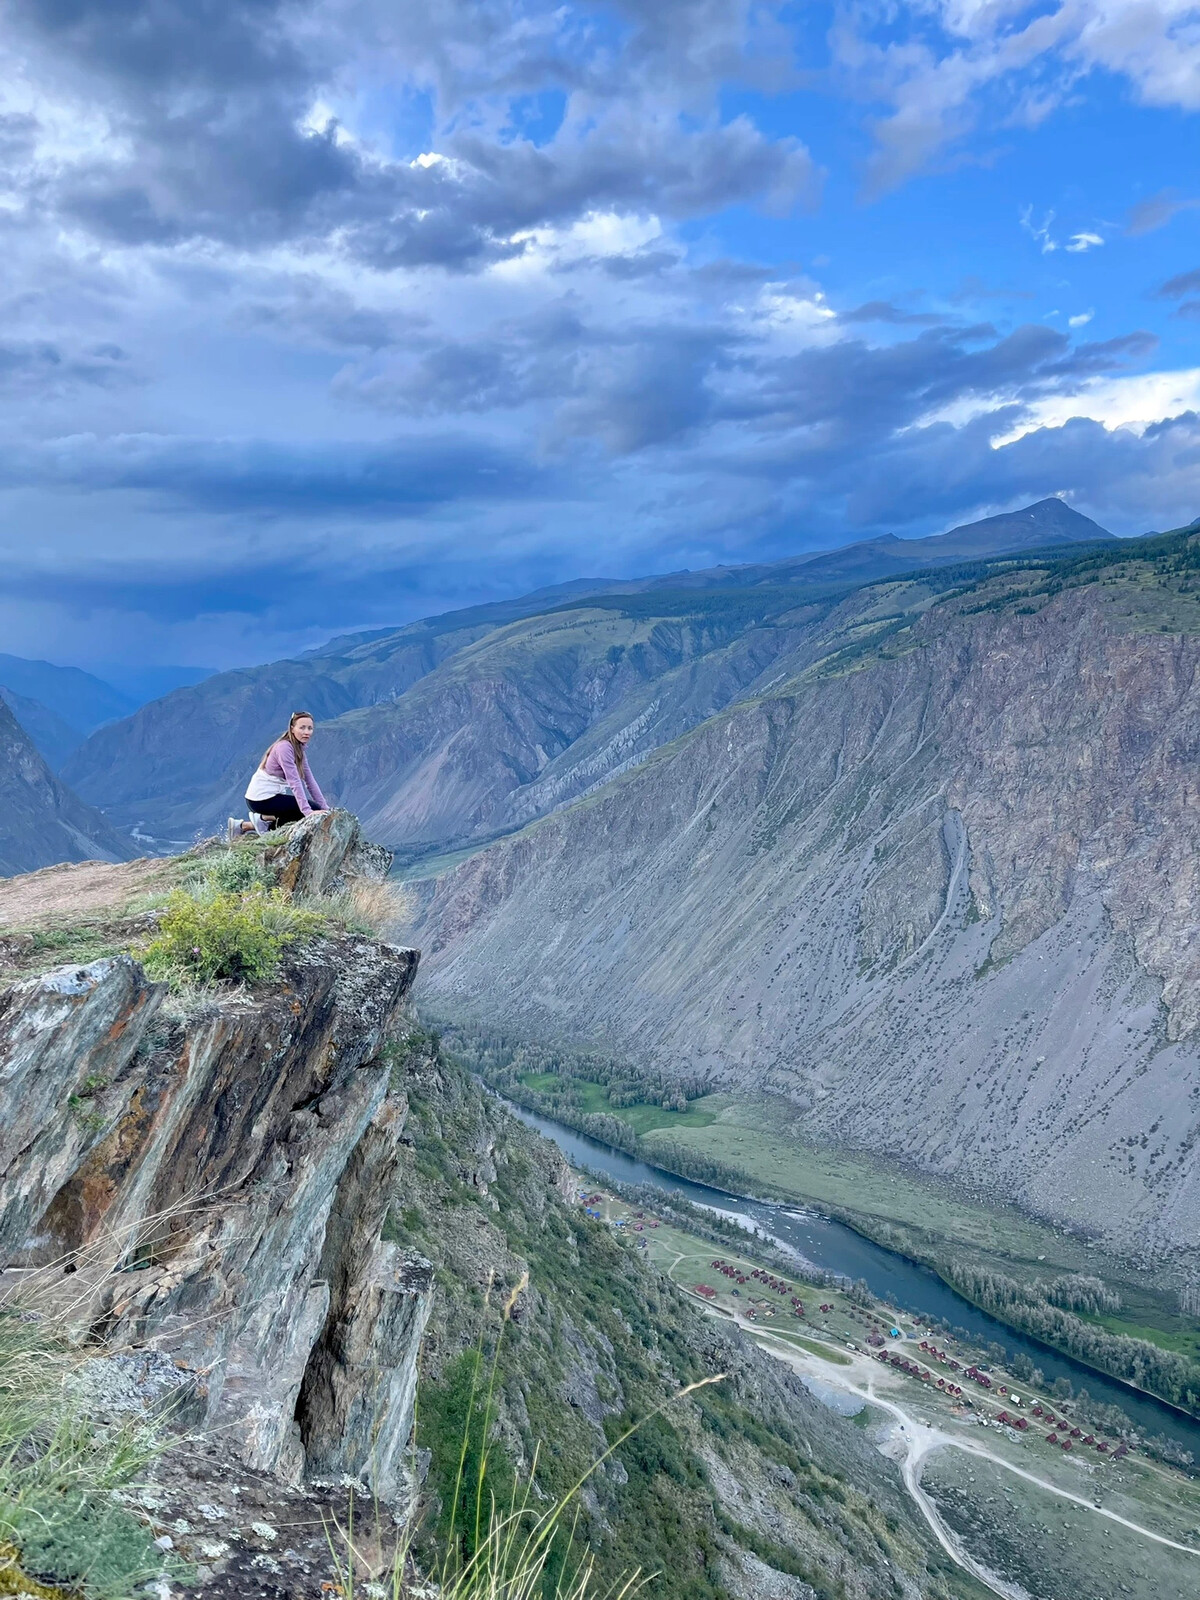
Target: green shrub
column 226, row 937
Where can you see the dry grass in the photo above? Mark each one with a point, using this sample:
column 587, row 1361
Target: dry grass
column 62, row 1526
column 379, row 910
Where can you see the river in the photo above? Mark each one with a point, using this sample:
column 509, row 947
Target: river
column 894, row 1279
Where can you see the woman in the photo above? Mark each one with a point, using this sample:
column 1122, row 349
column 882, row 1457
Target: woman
column 283, row 789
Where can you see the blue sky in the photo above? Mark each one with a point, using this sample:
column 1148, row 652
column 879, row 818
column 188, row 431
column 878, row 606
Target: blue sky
column 327, row 315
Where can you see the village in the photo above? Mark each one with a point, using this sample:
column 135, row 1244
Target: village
column 921, row 1390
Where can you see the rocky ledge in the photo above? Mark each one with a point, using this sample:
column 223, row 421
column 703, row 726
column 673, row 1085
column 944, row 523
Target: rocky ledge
column 201, row 1191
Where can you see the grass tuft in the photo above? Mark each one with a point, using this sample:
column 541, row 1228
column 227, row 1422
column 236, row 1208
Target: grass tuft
column 63, row 1528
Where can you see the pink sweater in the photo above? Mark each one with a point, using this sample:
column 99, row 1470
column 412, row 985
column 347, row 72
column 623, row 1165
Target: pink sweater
column 280, row 763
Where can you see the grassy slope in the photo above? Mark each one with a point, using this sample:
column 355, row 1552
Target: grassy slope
column 599, row 1339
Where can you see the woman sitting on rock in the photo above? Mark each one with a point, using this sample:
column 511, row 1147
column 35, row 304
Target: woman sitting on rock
column 283, row 789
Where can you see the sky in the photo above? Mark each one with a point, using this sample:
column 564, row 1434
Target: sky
column 329, row 314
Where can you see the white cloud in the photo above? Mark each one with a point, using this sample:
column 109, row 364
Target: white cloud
column 1080, row 321
column 998, row 63
column 1134, row 402
column 1079, row 242
column 1039, row 230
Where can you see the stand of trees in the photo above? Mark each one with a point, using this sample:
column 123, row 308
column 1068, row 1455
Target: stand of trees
column 1030, row 1308
column 504, row 1062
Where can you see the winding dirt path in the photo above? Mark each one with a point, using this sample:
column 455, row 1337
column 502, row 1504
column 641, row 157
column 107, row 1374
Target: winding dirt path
column 921, row 1441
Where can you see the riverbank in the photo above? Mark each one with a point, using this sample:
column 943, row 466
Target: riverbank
column 831, row 1245
column 991, row 1256
column 989, row 1489
column 1025, row 1273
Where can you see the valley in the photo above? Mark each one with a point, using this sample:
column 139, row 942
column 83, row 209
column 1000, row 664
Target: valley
column 986, row 1467
column 933, row 885
column 867, row 892
column 870, row 1220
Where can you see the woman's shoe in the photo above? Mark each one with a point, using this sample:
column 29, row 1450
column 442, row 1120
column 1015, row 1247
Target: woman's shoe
column 233, row 830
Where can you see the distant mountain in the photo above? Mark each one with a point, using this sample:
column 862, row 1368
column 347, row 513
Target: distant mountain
column 1042, row 526
column 41, row 821
column 462, row 726
column 140, row 684
column 54, row 738
column 79, row 699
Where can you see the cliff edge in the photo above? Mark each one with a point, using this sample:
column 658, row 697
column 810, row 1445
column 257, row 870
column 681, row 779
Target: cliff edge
column 205, row 1184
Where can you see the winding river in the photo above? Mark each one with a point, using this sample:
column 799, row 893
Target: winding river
column 894, row 1279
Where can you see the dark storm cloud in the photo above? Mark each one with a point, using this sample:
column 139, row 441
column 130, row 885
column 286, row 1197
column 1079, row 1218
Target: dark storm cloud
column 851, row 390
column 407, row 475
column 210, row 104
column 629, row 389
column 652, row 385
column 830, row 411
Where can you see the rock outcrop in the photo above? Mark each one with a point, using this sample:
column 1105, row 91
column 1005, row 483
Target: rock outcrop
column 212, row 1184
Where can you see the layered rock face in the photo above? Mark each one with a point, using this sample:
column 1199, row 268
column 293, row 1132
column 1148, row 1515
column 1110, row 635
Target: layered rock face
column 213, row 1186
column 940, row 893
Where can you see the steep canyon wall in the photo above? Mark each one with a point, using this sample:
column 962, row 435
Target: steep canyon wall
column 943, row 897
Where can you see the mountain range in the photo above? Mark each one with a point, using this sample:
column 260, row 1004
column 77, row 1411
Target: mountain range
column 904, row 834
column 930, row 878
column 458, row 728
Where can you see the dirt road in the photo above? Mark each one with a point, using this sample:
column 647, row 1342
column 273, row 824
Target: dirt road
column 919, row 1440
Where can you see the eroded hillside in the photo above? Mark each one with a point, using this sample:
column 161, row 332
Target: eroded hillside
column 41, row 820
column 935, row 882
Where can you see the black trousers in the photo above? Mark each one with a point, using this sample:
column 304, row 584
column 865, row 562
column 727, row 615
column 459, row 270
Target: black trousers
column 280, row 808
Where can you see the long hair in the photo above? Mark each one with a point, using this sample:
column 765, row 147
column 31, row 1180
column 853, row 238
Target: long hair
column 297, row 747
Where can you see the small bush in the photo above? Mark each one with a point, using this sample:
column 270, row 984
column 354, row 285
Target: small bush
column 226, row 937
column 236, row 871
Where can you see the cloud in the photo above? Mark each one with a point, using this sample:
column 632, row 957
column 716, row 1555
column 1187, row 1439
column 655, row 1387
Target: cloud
column 40, row 369
column 1175, row 288
column 1137, row 403
column 220, row 122
column 1039, row 230
column 940, row 71
column 268, row 478
column 1155, row 212
column 1081, row 320
column 320, row 313
column 884, row 311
